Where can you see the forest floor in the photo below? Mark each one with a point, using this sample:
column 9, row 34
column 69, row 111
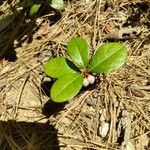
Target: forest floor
column 30, row 120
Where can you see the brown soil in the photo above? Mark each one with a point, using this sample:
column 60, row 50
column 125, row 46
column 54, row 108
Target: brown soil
column 30, row 120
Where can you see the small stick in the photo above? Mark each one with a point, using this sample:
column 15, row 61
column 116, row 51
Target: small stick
column 20, row 94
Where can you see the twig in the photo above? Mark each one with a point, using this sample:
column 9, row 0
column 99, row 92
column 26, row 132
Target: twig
column 20, row 94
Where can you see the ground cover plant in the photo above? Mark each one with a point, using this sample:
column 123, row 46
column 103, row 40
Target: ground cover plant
column 108, row 57
column 35, row 6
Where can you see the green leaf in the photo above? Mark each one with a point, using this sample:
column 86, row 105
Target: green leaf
column 66, row 87
column 78, row 50
column 7, row 20
column 34, row 9
column 57, row 67
column 108, row 57
column 57, row 4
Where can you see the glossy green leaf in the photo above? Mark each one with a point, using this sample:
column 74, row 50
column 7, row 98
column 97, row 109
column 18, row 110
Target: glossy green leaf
column 66, row 87
column 78, row 50
column 57, row 4
column 5, row 22
column 34, row 9
column 108, row 57
column 8, row 20
column 57, row 67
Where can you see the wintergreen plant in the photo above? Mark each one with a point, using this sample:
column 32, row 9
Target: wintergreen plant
column 33, row 6
column 72, row 75
column 56, row 4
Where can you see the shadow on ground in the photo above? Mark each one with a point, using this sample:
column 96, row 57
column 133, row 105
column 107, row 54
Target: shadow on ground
column 50, row 107
column 27, row 135
column 18, row 28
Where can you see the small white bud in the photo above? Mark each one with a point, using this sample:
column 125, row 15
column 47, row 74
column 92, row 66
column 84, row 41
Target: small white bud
column 85, row 82
column 103, row 129
column 91, row 79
